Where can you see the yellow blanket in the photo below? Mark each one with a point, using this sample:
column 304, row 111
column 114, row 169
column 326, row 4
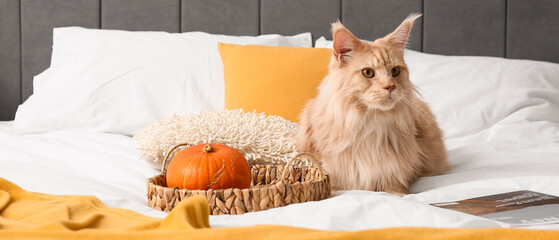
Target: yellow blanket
column 27, row 215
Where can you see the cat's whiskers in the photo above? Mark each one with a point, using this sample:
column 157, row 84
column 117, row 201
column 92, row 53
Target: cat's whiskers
column 419, row 110
column 410, row 105
column 413, row 107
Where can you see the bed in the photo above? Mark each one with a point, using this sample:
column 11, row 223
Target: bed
column 501, row 119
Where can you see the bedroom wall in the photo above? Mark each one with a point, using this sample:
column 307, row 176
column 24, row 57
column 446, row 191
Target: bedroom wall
column 503, row 28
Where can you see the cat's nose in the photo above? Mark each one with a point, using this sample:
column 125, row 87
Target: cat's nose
column 390, row 88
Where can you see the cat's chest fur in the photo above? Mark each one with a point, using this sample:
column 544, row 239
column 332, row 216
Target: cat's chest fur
column 374, row 148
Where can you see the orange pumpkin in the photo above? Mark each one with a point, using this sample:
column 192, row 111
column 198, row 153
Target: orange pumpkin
column 206, row 166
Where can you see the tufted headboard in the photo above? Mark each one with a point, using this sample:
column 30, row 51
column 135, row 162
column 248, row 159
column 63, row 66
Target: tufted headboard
column 525, row 29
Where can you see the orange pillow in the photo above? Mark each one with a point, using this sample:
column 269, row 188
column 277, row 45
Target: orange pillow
column 273, row 80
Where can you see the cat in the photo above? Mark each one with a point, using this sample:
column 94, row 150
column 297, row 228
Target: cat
column 368, row 125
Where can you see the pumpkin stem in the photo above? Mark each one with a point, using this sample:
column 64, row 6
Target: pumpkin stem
column 208, row 148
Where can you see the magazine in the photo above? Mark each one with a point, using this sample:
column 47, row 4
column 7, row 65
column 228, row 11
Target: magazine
column 520, row 208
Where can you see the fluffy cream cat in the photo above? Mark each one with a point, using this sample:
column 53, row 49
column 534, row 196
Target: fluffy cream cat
column 368, row 125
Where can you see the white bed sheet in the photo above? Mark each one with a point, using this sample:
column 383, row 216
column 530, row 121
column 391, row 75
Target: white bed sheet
column 499, row 159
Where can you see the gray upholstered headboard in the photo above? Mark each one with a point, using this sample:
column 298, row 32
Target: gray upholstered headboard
column 527, row 29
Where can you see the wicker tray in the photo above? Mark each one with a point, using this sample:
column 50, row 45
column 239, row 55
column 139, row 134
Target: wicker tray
column 272, row 186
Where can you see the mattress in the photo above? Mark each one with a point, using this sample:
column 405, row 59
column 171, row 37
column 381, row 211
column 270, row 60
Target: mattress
column 107, row 166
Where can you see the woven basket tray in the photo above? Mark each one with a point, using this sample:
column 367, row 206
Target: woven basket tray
column 272, row 186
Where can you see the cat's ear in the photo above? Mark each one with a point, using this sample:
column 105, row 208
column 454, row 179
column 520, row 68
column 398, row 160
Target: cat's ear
column 344, row 42
column 399, row 37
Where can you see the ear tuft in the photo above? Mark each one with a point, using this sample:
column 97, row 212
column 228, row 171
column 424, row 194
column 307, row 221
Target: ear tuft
column 399, row 37
column 337, row 25
column 344, row 42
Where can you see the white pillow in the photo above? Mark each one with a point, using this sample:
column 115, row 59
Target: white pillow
column 321, row 42
column 470, row 94
column 119, row 81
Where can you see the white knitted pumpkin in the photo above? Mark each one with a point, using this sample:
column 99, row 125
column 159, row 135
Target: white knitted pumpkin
column 260, row 138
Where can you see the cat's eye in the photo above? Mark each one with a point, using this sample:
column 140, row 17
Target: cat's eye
column 395, row 71
column 368, row 72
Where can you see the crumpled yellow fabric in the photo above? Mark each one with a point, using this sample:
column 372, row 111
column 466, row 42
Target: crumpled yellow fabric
column 27, row 215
